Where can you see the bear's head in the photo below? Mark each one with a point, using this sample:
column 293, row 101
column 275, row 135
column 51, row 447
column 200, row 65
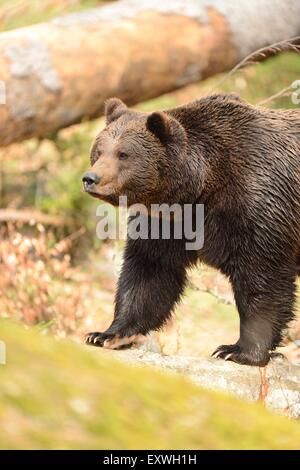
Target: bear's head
column 138, row 155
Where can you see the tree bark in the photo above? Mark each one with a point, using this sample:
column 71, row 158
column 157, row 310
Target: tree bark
column 58, row 73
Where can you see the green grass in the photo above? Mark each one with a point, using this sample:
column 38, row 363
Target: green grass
column 18, row 13
column 56, row 394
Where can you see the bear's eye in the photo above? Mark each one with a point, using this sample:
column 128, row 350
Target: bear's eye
column 122, row 156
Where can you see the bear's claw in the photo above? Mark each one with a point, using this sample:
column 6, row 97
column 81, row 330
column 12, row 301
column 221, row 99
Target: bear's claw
column 112, row 341
column 225, row 351
column 95, row 338
column 235, row 353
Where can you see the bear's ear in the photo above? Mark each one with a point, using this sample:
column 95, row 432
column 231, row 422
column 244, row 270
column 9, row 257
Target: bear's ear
column 114, row 108
column 168, row 130
column 159, row 124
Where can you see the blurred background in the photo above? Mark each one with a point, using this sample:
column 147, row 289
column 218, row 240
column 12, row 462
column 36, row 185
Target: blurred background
column 55, row 275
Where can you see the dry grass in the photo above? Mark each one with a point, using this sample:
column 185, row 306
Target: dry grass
column 34, row 275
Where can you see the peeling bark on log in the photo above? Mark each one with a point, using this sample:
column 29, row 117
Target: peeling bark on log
column 61, row 72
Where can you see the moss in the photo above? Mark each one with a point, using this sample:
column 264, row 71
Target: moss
column 56, row 394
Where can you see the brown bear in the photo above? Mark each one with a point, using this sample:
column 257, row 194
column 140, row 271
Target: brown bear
column 243, row 164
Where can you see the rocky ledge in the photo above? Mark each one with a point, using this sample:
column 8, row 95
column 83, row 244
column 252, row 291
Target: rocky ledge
column 277, row 385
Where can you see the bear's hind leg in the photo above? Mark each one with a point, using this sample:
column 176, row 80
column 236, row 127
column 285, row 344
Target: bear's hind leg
column 265, row 309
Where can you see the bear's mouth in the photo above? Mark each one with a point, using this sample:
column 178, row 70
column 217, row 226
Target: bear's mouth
column 94, row 194
column 107, row 196
column 98, row 191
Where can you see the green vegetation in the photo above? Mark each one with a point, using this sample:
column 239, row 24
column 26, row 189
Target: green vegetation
column 57, row 394
column 17, row 13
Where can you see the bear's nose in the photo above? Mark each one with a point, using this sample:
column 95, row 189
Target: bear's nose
column 89, row 179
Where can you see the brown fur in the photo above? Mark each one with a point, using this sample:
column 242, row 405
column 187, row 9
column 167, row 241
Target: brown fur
column 243, row 164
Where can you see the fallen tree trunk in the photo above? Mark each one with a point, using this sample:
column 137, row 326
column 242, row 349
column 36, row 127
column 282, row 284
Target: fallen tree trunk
column 58, row 73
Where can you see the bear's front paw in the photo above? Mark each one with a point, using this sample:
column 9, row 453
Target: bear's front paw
column 236, row 353
column 96, row 338
column 112, row 341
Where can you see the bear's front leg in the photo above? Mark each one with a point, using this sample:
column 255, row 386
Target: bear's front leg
column 265, row 306
column 151, row 282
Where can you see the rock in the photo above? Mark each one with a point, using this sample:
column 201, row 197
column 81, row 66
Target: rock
column 277, row 385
